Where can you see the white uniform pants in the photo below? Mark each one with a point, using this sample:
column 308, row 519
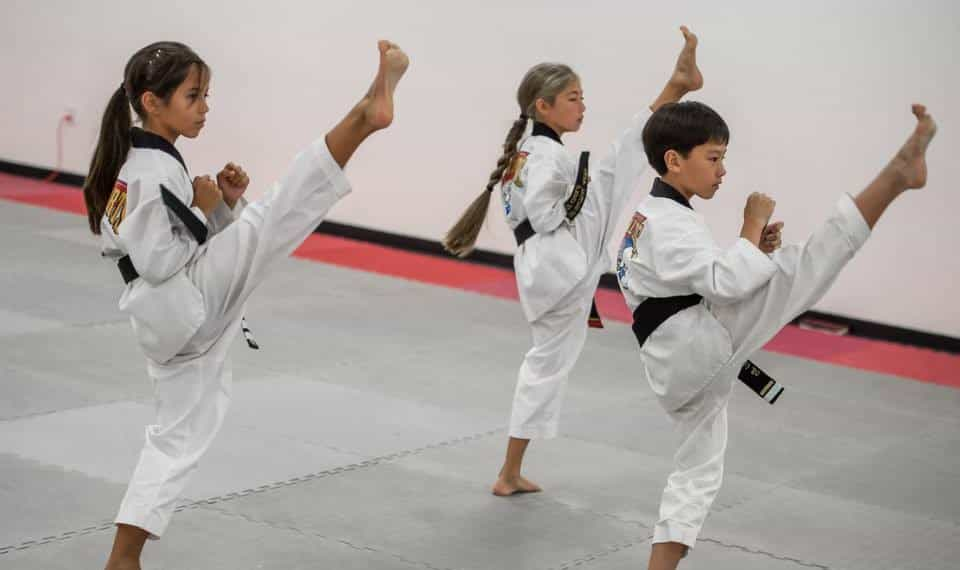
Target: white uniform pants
column 559, row 335
column 805, row 274
column 192, row 391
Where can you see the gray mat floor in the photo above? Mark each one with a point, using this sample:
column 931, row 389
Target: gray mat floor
column 368, row 430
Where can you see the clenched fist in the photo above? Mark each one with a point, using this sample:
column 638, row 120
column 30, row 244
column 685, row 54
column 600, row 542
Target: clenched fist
column 233, row 183
column 759, row 208
column 206, row 194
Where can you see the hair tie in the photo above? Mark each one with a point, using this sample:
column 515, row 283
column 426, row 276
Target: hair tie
column 524, row 117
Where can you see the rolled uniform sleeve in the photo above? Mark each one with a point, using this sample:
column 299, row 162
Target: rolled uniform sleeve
column 222, row 216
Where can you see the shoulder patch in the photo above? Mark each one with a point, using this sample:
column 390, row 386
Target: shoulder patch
column 512, row 173
column 636, row 226
column 116, row 208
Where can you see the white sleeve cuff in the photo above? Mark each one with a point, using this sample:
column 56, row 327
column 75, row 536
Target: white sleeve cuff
column 852, row 222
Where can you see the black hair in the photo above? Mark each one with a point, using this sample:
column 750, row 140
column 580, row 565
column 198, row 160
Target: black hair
column 681, row 127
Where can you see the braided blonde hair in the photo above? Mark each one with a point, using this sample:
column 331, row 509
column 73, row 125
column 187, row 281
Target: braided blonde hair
column 543, row 81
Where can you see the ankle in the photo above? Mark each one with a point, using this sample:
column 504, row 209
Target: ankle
column 510, row 475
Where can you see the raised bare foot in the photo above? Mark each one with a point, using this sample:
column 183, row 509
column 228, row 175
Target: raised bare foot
column 686, row 74
column 911, row 160
column 378, row 111
column 504, row 487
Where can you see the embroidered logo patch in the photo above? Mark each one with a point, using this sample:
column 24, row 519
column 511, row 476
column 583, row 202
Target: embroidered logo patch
column 630, row 242
column 117, row 205
column 636, row 228
column 579, row 194
column 512, row 173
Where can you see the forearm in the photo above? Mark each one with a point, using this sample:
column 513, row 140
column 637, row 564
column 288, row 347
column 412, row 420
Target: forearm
column 752, row 231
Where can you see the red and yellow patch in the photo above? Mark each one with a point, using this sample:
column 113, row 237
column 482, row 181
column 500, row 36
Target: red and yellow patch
column 117, row 205
column 513, row 169
column 636, row 226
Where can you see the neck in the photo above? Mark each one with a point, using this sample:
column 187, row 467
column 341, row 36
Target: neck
column 168, row 134
column 556, row 128
column 671, row 179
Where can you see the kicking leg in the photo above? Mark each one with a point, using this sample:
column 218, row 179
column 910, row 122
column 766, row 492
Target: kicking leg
column 375, row 111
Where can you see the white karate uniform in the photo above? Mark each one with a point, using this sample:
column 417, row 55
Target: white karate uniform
column 692, row 358
column 186, row 305
column 559, row 267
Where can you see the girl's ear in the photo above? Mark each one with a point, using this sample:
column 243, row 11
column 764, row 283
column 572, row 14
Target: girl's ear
column 150, row 103
column 542, row 106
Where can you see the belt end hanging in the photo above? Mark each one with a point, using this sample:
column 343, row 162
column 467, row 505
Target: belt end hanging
column 594, row 321
column 760, row 382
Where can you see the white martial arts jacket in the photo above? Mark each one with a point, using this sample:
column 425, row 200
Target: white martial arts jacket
column 164, row 307
column 536, row 186
column 669, row 255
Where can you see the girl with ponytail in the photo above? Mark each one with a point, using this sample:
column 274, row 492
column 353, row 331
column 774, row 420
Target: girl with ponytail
column 191, row 251
column 561, row 210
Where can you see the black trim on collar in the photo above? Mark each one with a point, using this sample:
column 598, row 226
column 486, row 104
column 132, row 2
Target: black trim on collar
column 545, row 131
column 140, row 138
column 663, row 190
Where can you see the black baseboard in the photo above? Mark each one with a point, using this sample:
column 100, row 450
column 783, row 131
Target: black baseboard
column 880, row 331
column 41, row 173
column 408, row 243
column 857, row 327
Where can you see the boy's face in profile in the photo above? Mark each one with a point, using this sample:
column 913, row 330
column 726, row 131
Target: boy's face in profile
column 701, row 172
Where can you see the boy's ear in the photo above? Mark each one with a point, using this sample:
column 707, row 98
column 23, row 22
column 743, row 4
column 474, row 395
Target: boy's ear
column 672, row 159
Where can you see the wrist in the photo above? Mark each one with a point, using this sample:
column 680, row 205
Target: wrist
column 752, row 230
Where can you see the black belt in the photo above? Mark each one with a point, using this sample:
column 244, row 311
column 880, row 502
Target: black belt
column 127, row 270
column 653, row 312
column 523, row 232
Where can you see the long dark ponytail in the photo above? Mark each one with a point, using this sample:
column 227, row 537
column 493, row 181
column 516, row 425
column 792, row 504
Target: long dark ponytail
column 158, row 68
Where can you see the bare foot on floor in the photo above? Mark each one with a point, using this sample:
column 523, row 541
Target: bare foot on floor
column 911, row 160
column 505, row 487
column 378, row 113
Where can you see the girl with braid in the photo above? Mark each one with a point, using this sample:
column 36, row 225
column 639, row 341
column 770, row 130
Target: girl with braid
column 562, row 213
column 192, row 251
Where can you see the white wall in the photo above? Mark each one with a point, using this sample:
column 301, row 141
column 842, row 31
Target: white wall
column 816, row 93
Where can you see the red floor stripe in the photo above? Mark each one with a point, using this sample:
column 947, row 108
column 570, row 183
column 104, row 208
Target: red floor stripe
column 877, row 356
column 38, row 193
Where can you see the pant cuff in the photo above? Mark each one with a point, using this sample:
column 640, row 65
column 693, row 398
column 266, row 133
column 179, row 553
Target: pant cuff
column 672, row 531
column 155, row 525
column 534, row 432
